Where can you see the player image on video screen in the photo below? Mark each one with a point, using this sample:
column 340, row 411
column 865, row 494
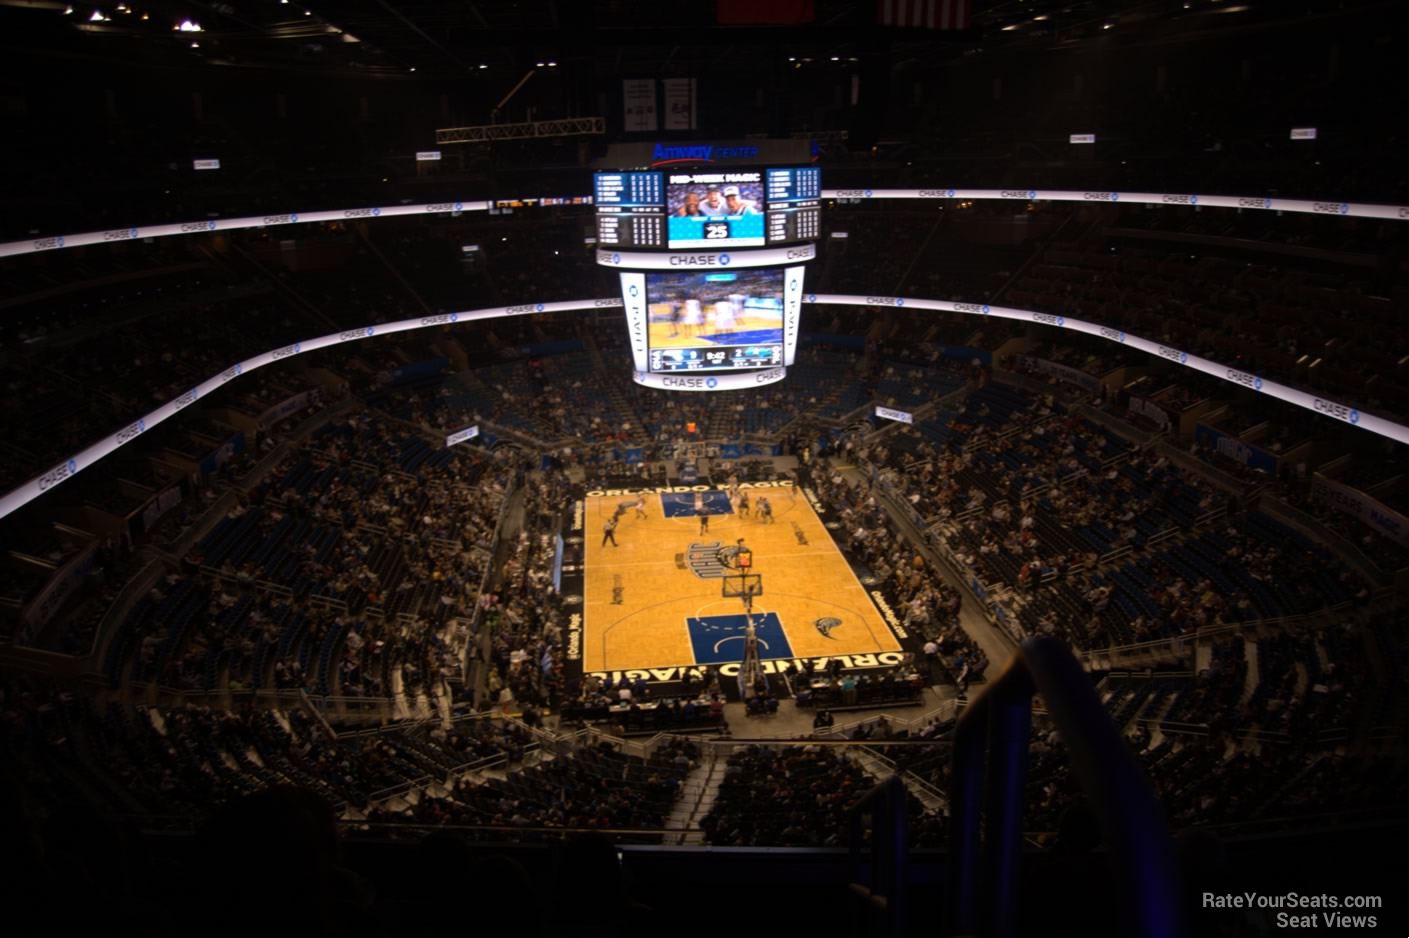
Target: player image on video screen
column 715, row 320
column 715, row 210
column 714, row 200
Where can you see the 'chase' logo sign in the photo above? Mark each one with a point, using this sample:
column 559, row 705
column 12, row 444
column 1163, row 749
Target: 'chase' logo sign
column 1173, row 354
column 1017, row 194
column 58, row 474
column 700, row 260
column 1338, row 411
column 1245, row 379
column 1115, row 335
column 131, row 432
column 981, row 310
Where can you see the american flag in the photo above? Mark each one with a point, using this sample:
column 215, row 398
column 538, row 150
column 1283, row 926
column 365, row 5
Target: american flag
column 925, row 14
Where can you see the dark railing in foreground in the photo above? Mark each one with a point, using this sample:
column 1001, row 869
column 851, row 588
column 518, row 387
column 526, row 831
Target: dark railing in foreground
column 986, row 800
column 880, row 895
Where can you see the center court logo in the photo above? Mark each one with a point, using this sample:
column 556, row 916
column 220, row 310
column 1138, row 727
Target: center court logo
column 704, row 560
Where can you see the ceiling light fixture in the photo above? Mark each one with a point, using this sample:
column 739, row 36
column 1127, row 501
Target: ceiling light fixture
column 1008, row 29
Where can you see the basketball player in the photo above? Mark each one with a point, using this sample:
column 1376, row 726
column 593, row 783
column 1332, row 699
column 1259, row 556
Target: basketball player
column 765, row 510
column 724, row 315
column 699, row 502
column 740, row 302
column 694, row 316
column 704, row 520
column 744, row 505
column 675, row 315
column 640, row 506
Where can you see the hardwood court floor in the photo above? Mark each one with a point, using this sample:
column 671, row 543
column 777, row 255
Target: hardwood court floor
column 665, row 616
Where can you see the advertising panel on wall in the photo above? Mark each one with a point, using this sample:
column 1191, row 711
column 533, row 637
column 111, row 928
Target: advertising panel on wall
column 886, row 413
column 1235, row 449
column 461, row 436
column 61, row 585
column 1061, row 372
column 1357, row 504
column 1150, row 410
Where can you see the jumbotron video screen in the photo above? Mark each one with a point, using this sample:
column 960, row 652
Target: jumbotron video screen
column 718, row 320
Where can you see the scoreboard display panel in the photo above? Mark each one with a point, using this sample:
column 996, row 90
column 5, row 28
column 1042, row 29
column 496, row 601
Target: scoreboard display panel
column 711, row 210
column 715, row 321
column 708, row 210
column 630, row 209
column 794, row 198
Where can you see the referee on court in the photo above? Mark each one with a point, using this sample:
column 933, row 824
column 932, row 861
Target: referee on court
column 609, row 532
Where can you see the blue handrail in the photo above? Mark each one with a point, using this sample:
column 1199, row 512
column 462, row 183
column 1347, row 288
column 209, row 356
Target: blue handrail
column 986, row 800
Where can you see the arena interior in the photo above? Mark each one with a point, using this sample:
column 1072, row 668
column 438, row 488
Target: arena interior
column 875, row 467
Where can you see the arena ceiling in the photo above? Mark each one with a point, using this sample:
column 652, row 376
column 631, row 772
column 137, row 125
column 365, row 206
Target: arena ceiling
column 446, row 39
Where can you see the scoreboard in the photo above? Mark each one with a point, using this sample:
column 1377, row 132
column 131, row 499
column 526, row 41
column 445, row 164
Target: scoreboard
column 720, row 357
column 630, row 209
column 708, row 209
column 794, row 204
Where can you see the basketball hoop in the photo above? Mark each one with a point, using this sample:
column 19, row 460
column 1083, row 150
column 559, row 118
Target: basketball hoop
column 742, row 585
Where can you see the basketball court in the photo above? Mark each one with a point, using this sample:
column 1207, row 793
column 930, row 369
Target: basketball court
column 654, row 601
